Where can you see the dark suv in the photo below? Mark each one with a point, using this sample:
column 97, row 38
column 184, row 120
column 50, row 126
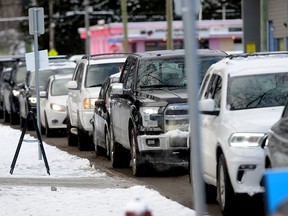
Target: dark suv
column 11, row 90
column 149, row 110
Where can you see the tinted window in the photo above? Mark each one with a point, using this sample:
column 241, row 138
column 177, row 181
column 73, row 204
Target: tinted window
column 97, row 73
column 256, row 91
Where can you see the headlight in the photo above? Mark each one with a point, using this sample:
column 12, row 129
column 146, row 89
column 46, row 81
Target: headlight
column 32, row 100
column 146, row 112
column 89, row 103
column 246, row 139
column 58, row 108
column 15, row 93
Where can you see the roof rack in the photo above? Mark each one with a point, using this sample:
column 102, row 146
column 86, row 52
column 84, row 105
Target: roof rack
column 104, row 54
column 246, row 55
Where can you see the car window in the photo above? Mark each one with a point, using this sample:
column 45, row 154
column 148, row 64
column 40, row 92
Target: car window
column 159, row 72
column 130, row 77
column 205, row 62
column 256, row 91
column 214, row 89
column 59, row 87
column 97, row 73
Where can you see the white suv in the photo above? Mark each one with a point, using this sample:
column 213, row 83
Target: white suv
column 84, row 88
column 241, row 97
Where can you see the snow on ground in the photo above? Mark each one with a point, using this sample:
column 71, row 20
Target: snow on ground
column 31, row 191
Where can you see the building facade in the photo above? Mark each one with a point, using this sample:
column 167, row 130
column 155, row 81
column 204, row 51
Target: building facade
column 225, row 35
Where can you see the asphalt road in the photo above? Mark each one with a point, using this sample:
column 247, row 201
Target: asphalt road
column 174, row 184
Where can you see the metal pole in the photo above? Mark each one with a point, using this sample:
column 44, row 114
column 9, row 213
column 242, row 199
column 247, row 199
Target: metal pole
column 192, row 70
column 51, row 26
column 124, row 20
column 87, row 27
column 169, row 20
column 36, row 55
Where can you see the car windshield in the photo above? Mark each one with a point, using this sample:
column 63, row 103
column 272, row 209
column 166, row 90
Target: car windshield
column 21, row 74
column 170, row 72
column 59, row 87
column 97, row 73
column 257, row 91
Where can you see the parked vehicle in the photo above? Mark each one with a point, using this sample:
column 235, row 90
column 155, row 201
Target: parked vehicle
column 11, row 91
column 101, row 117
column 5, row 75
column 53, row 105
column 84, row 89
column 27, row 96
column 276, row 143
column 241, row 97
column 149, row 111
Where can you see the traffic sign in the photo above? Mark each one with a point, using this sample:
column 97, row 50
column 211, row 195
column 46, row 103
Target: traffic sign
column 36, row 21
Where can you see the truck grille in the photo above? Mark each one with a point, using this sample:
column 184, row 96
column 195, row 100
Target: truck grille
column 176, row 116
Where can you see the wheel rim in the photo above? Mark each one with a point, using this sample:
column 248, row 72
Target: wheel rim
column 222, row 186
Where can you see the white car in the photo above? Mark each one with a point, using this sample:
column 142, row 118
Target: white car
column 53, row 104
column 88, row 77
column 241, row 97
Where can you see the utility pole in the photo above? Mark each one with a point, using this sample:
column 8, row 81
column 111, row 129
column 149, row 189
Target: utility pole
column 124, row 21
column 87, row 27
column 263, row 25
column 51, row 26
column 169, row 20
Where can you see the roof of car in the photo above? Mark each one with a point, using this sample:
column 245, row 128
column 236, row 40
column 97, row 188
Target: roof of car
column 106, row 57
column 253, row 63
column 177, row 52
column 62, row 76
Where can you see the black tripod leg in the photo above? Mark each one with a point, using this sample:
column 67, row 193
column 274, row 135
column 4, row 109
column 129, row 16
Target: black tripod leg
column 19, row 144
column 41, row 144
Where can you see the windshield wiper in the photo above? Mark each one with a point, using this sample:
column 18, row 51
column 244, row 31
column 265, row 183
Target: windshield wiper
column 163, row 86
column 97, row 85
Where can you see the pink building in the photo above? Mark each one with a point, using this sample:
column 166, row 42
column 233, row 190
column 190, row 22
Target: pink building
column 225, row 35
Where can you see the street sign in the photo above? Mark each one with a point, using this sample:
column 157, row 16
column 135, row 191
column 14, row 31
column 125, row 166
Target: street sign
column 36, row 21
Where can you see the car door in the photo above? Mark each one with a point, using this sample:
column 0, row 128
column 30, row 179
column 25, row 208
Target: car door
column 100, row 113
column 116, row 107
column 74, row 95
column 210, row 126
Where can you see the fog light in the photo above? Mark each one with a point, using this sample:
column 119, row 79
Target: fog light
column 54, row 121
column 152, row 142
column 247, row 167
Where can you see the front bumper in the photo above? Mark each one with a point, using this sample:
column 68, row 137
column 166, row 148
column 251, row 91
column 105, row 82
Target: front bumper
column 170, row 148
column 56, row 120
column 246, row 168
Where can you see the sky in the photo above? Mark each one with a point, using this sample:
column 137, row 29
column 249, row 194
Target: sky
column 73, row 187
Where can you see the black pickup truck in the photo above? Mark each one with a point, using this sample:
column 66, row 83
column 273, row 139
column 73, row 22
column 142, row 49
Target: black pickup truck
column 149, row 110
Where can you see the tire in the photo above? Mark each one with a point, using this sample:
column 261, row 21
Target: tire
column 225, row 193
column 6, row 116
column 118, row 154
column 71, row 138
column 14, row 118
column 83, row 140
column 137, row 163
column 99, row 151
column 49, row 132
column 107, row 143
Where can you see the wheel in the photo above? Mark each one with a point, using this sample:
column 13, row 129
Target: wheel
column 71, row 138
column 83, row 140
column 107, row 143
column 137, row 164
column 48, row 131
column 6, row 116
column 225, row 193
column 14, row 118
column 118, row 156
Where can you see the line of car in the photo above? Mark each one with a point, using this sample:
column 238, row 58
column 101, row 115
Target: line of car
column 133, row 109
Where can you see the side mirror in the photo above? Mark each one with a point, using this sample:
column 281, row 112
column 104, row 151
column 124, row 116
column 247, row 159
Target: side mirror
column 99, row 103
column 43, row 94
column 117, row 89
column 72, row 85
column 208, row 107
